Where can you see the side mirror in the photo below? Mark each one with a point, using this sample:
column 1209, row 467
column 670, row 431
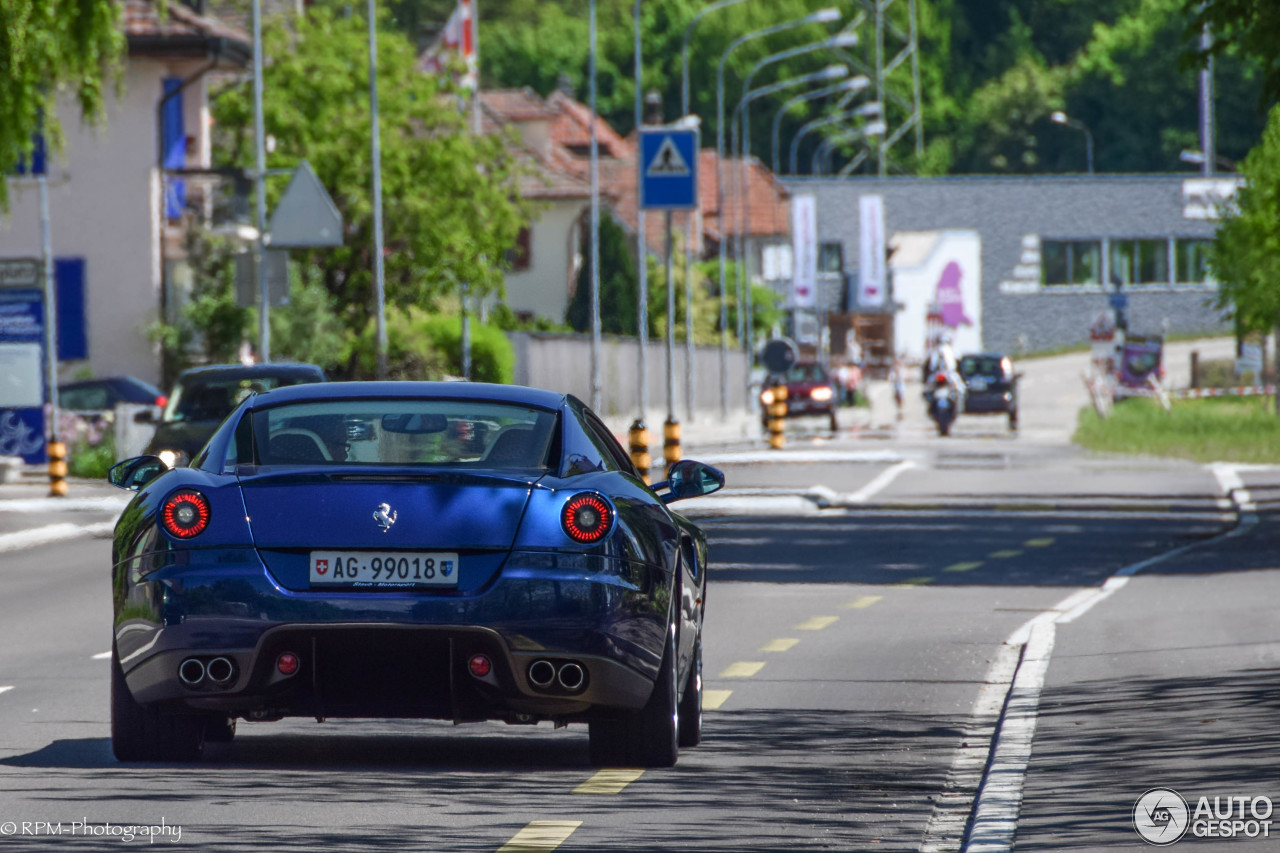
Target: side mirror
column 689, row 478
column 146, row 416
column 133, row 474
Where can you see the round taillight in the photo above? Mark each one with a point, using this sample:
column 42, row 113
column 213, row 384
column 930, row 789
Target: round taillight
column 480, row 665
column 587, row 518
column 287, row 663
column 185, row 514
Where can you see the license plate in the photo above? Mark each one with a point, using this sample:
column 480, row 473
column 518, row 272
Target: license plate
column 977, row 383
column 384, row 569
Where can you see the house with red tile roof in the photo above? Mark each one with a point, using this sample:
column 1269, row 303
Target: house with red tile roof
column 116, row 221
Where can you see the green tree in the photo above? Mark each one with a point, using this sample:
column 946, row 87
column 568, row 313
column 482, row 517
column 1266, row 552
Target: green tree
column 1249, row 26
column 48, row 47
column 1245, row 256
column 451, row 202
column 619, row 284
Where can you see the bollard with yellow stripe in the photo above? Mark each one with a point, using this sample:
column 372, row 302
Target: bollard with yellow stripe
column 57, row 469
column 671, row 440
column 639, row 440
column 777, row 416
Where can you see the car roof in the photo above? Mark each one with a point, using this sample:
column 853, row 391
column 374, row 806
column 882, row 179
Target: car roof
column 518, row 394
column 248, row 371
column 983, row 355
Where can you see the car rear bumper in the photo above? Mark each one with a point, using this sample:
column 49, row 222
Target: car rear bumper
column 392, row 654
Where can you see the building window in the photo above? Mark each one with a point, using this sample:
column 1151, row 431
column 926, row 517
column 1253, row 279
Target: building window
column 1071, row 262
column 831, row 258
column 520, row 256
column 1140, row 261
column 1193, row 261
column 776, row 262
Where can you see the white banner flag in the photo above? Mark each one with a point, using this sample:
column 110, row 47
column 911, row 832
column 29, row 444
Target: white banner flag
column 871, row 273
column 804, row 242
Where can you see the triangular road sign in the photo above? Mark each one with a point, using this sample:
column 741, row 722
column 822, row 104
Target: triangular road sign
column 668, row 162
column 306, row 217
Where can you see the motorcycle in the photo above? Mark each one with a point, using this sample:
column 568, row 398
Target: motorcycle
column 944, row 403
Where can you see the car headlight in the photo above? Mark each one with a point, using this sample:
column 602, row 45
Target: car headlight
column 766, row 397
column 169, row 458
column 822, row 394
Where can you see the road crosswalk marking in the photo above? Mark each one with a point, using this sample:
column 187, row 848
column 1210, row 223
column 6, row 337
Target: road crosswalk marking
column 540, row 836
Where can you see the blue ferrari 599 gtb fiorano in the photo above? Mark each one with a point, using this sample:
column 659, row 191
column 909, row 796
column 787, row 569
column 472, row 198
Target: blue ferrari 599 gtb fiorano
column 449, row 551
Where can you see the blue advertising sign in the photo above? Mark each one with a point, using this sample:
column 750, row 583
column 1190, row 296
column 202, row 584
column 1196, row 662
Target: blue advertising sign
column 22, row 384
column 1119, row 301
column 668, row 168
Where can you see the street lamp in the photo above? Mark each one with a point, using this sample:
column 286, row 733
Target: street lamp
column 1059, row 117
column 871, row 129
column 831, row 72
column 693, row 218
column 822, row 16
column 853, row 84
column 816, row 123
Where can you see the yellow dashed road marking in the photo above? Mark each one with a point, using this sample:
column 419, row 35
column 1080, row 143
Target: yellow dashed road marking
column 817, row 623
column 863, row 602
column 713, row 699
column 909, row 583
column 609, row 781
column 540, row 836
column 1004, row 555
column 742, row 669
column 781, row 644
column 1039, row 543
column 963, row 567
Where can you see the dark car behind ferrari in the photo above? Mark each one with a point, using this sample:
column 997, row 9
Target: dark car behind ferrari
column 453, row 551
column 104, row 393
column 203, row 396
column 991, row 386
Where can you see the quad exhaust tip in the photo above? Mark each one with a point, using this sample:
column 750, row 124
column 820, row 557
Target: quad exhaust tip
column 191, row 672
column 220, row 670
column 542, row 673
column 571, row 676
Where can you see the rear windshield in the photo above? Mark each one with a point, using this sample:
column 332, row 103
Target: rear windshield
column 450, row 433
column 974, row 365
column 213, row 398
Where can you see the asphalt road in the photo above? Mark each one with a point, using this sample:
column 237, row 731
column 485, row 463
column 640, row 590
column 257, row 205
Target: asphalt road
column 899, row 627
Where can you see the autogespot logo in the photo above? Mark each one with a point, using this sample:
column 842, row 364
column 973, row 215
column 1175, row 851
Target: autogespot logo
column 1161, row 816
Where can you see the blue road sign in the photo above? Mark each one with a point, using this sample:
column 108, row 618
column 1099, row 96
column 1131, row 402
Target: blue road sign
column 668, row 168
column 1119, row 301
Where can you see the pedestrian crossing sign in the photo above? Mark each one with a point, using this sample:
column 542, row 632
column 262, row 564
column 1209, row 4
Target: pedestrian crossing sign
column 668, row 166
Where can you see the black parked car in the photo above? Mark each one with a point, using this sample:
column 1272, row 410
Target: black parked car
column 203, row 396
column 103, row 393
column 991, row 386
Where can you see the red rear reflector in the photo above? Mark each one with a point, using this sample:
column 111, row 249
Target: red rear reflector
column 161, row 400
column 480, row 665
column 288, row 663
column 587, row 518
column 185, row 514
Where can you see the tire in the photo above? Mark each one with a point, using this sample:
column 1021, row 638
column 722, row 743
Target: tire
column 653, row 736
column 220, row 729
column 690, row 708
column 148, row 733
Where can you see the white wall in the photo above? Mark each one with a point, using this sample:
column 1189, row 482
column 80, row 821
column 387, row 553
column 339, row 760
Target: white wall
column 103, row 207
column 544, row 288
column 915, row 286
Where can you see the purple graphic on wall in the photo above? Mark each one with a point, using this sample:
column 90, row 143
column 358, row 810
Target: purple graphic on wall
column 950, row 300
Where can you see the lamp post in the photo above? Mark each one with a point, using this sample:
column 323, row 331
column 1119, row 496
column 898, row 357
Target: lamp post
column 743, row 111
column 642, row 249
column 693, row 215
column 853, row 84
column 816, row 123
column 595, row 211
column 872, row 130
column 822, row 16
column 1059, row 117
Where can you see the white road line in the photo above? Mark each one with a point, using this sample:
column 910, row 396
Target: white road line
column 882, row 480
column 52, row 533
column 1228, row 477
column 102, row 656
column 749, row 457
column 5, row 689
column 999, row 800
column 108, row 503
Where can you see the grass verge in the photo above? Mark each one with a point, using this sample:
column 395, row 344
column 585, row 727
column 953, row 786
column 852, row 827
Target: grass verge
column 1222, row 429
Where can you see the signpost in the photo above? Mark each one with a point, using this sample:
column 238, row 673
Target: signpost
column 669, row 181
column 22, row 368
